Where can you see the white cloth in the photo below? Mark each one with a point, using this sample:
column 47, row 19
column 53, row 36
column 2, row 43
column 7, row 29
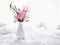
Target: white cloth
column 33, row 37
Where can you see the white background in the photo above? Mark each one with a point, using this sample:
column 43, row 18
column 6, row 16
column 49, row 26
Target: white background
column 45, row 11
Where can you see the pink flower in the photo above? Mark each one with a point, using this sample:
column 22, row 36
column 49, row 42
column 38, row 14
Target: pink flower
column 20, row 14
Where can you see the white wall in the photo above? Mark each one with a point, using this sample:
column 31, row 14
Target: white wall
column 46, row 11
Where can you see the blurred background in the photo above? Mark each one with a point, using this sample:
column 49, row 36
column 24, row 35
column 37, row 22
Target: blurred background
column 41, row 11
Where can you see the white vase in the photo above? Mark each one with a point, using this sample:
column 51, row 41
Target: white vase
column 20, row 31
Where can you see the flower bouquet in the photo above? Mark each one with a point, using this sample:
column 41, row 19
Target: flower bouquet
column 20, row 16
